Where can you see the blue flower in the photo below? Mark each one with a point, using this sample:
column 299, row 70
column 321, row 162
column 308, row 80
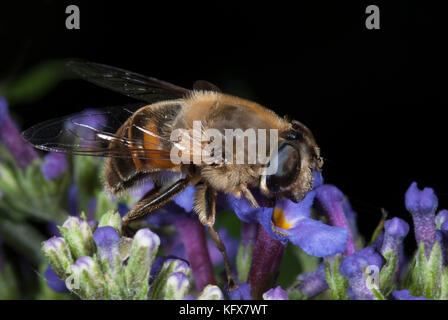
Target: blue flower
column 422, row 204
column 292, row 219
column 54, row 166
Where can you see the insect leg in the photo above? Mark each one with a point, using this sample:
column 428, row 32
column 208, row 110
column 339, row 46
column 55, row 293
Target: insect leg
column 205, row 207
column 154, row 200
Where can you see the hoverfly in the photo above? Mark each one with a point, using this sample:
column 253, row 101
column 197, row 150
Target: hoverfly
column 137, row 144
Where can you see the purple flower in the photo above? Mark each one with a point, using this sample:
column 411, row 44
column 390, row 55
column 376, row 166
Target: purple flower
column 331, row 202
column 11, row 137
column 313, row 283
column 353, row 268
column 54, row 166
column 396, row 230
column 242, row 293
column 422, row 204
column 107, row 241
column 53, row 281
column 292, row 219
column 405, row 295
column 276, row 293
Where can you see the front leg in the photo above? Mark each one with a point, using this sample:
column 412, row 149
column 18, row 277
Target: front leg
column 152, row 201
column 205, row 207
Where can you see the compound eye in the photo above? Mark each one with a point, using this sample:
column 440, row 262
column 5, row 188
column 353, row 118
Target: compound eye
column 288, row 166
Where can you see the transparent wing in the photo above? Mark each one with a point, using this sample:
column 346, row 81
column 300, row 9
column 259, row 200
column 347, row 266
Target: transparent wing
column 94, row 133
column 131, row 84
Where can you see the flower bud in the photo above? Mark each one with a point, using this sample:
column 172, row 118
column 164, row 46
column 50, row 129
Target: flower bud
column 211, row 292
column 143, row 251
column 107, row 242
column 177, row 286
column 276, row 293
column 177, row 265
column 87, row 279
column 58, row 254
column 169, row 267
column 78, row 235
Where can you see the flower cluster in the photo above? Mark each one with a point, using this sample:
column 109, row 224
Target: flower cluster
column 94, row 261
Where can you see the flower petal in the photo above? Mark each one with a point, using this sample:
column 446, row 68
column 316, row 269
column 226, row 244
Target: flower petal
column 293, row 212
column 317, row 238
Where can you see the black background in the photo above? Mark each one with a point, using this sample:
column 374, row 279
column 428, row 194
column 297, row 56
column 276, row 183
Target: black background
column 374, row 99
